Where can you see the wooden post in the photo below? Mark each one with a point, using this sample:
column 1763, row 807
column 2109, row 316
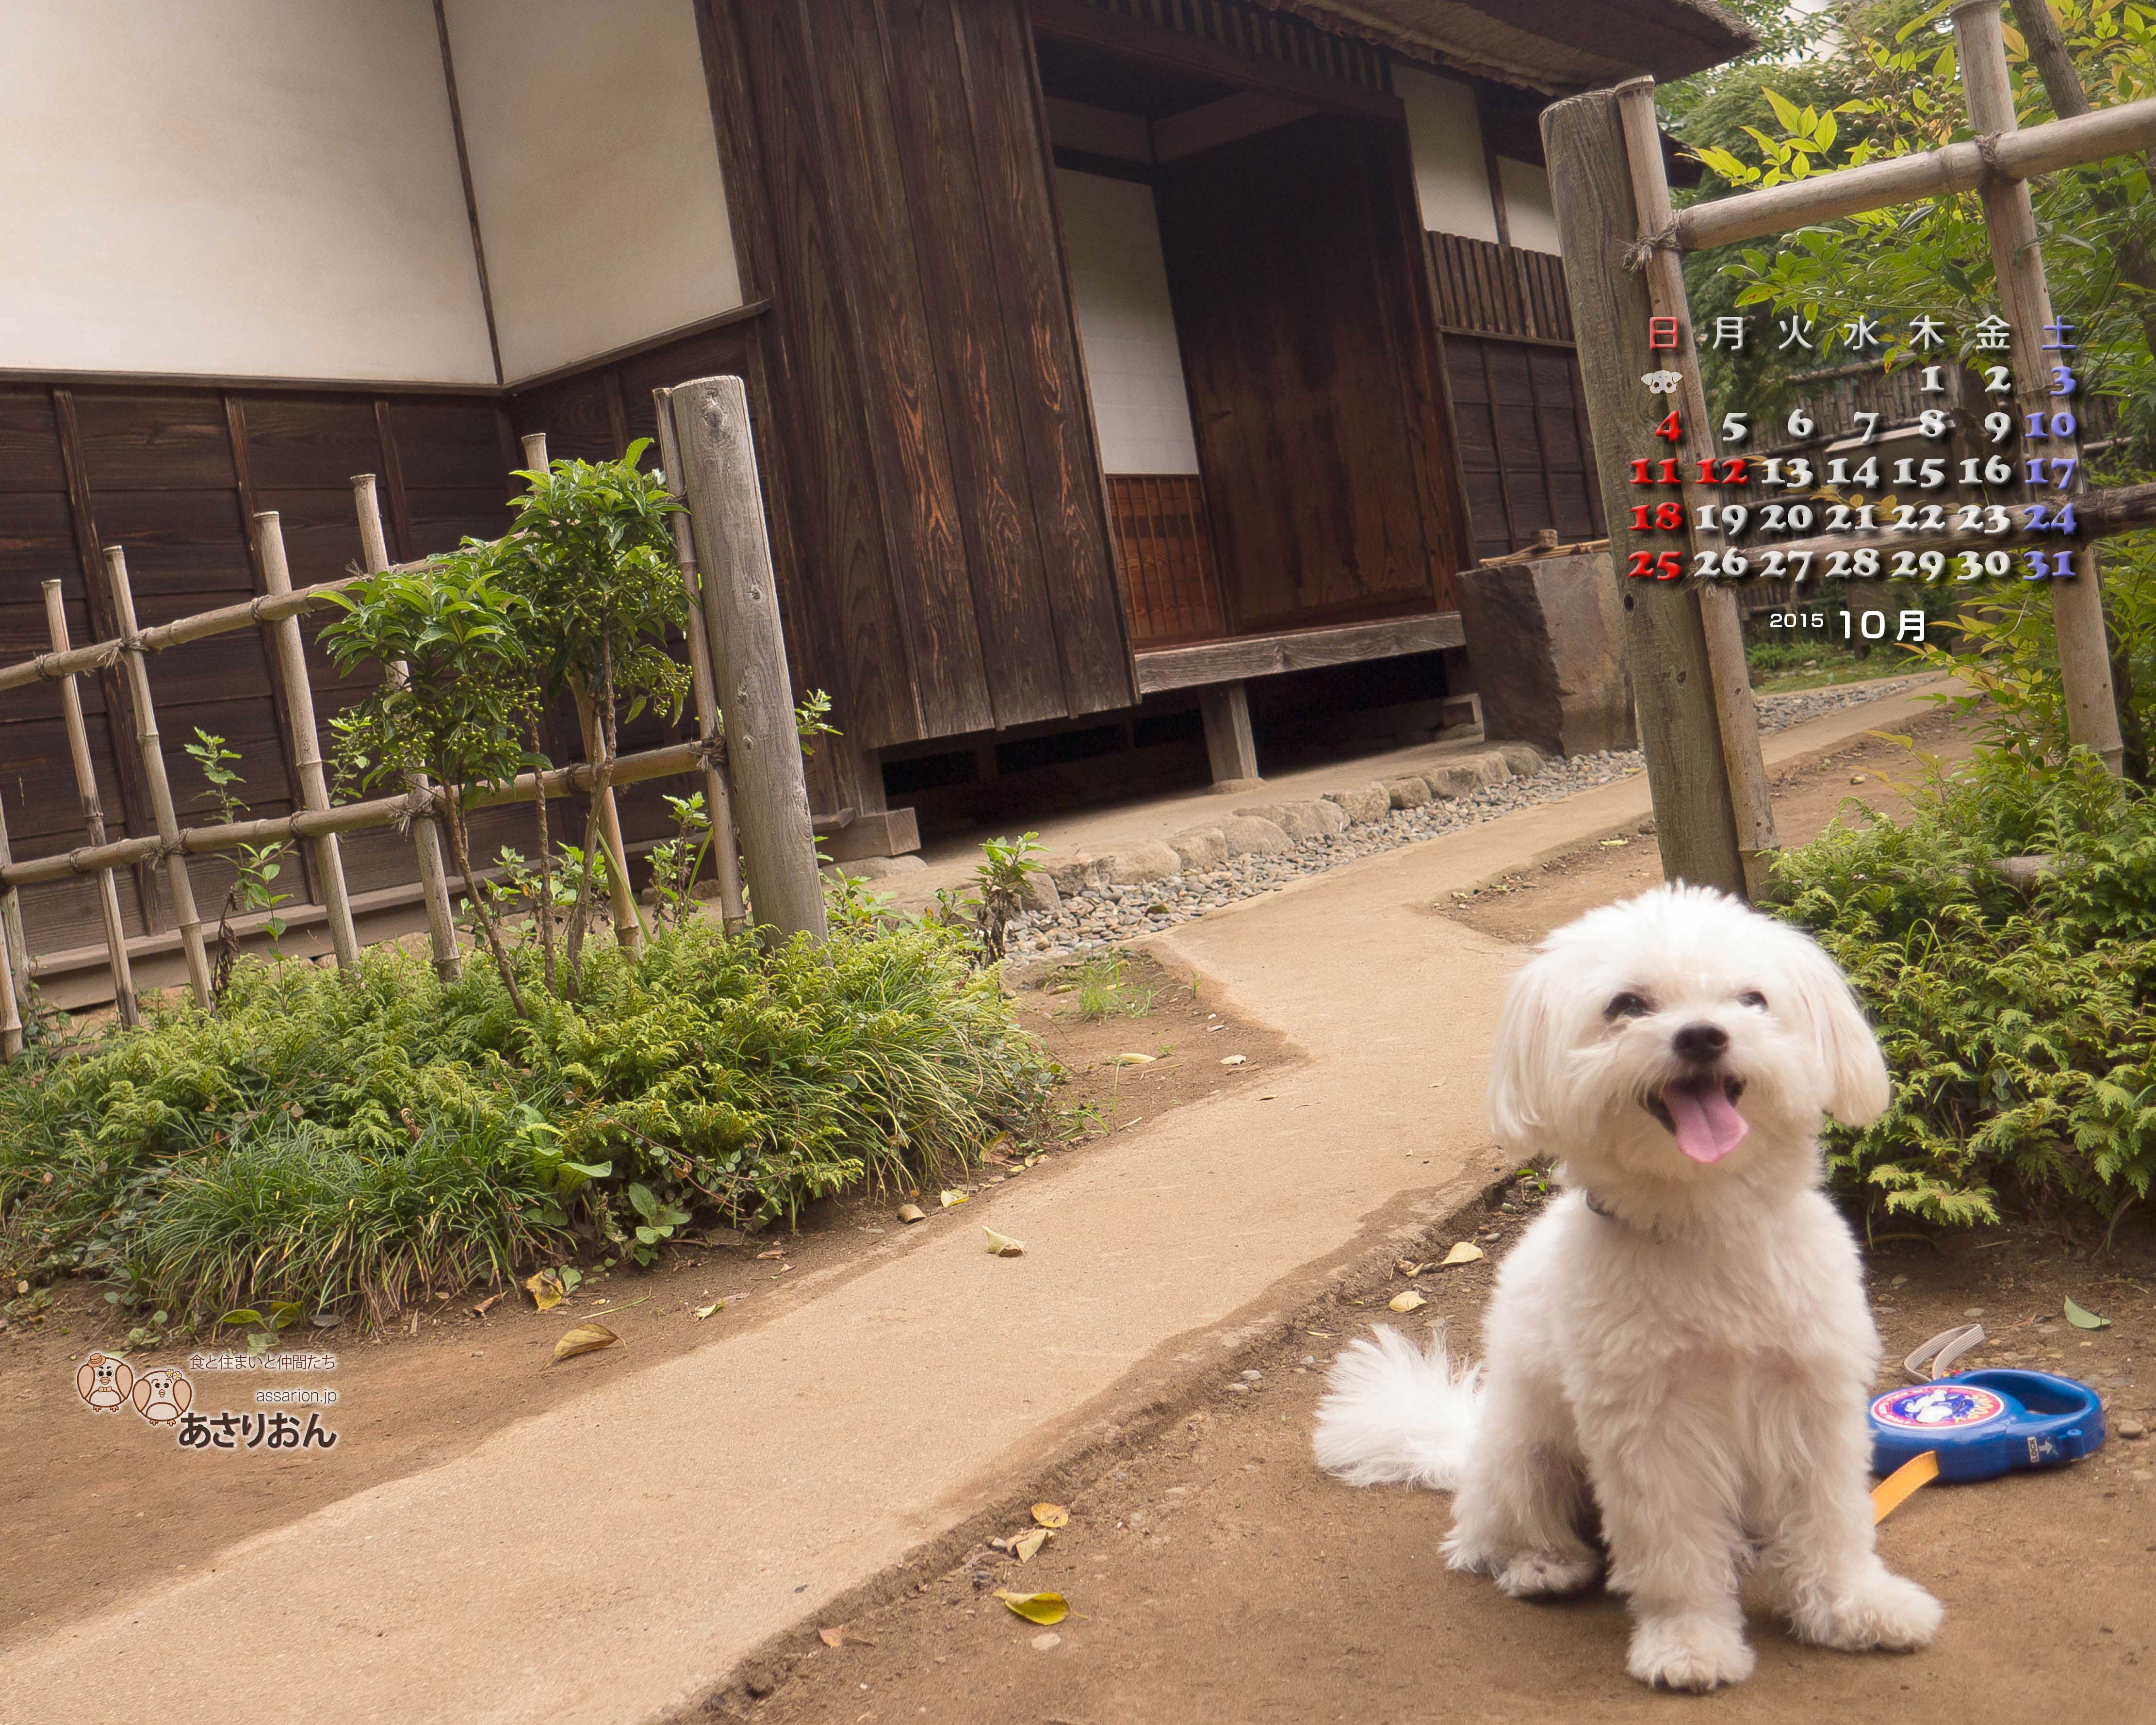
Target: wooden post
column 290, row 675
column 152, row 753
column 725, row 843
column 93, row 814
column 426, row 831
column 2025, row 295
column 12, row 962
column 1737, row 714
column 1230, row 749
column 627, row 924
column 1672, row 671
column 718, row 477
column 14, row 957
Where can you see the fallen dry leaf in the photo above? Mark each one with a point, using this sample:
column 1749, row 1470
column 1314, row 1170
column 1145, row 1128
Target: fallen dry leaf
column 480, row 1310
column 1465, row 1252
column 1235, row 1060
column 1407, row 1302
column 1002, row 1246
column 706, row 1311
column 1406, row 1267
column 833, row 1637
column 776, row 1252
column 1134, row 1060
column 547, row 1289
column 1051, row 1515
column 2083, row 1319
column 1028, row 1545
column 951, row 1198
column 911, row 1213
column 1037, row 1608
column 585, row 1338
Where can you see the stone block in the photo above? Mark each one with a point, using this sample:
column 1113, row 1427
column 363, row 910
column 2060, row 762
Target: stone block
column 1301, row 821
column 1524, row 759
column 1075, row 874
column 1200, row 848
column 1547, row 638
column 1408, row 792
column 1251, row 835
column 879, row 868
column 1450, row 779
column 1038, row 894
column 1363, row 802
column 1149, row 859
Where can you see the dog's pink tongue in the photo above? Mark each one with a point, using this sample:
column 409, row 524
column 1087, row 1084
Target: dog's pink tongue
column 1708, row 1125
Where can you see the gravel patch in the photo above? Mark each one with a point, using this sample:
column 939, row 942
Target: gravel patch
column 1101, row 916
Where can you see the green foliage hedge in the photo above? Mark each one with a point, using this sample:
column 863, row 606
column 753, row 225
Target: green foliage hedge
column 328, row 1137
column 2021, row 1030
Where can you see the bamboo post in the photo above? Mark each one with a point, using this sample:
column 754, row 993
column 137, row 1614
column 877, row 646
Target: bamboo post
column 2009, row 221
column 748, row 654
column 15, row 956
column 93, row 815
column 627, row 924
column 153, row 770
column 1673, row 679
column 725, row 843
column 426, row 831
column 290, row 675
column 1737, row 714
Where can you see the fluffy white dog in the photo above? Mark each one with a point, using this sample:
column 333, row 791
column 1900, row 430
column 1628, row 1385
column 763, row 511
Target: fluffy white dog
column 1678, row 1349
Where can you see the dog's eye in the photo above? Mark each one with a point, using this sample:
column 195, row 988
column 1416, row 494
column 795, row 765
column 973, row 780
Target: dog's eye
column 1626, row 1006
column 1753, row 998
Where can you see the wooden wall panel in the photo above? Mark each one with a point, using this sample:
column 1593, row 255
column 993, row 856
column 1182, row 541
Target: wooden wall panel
column 1055, row 411
column 955, row 255
column 759, row 67
column 1164, row 556
column 1522, row 442
column 1488, row 288
column 939, row 459
column 907, row 439
column 1295, row 309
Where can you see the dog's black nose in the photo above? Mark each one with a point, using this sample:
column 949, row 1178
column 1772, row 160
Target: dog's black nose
column 1700, row 1042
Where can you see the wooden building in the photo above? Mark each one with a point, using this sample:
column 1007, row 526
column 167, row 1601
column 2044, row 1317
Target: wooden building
column 1113, row 359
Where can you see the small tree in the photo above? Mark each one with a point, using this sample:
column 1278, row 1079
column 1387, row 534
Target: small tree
column 591, row 554
column 258, row 866
column 461, row 713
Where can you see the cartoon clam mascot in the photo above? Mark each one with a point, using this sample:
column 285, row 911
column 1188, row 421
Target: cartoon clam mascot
column 161, row 1397
column 105, row 1382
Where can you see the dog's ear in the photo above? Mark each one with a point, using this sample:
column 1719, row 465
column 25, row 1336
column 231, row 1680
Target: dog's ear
column 1530, row 1043
column 1858, row 1088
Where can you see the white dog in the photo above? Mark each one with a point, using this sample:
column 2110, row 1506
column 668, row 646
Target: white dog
column 1681, row 1343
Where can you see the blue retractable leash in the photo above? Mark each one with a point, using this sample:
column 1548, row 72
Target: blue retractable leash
column 1983, row 1424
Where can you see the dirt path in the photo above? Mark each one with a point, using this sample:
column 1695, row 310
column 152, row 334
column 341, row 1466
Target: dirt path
column 92, row 1505
column 1214, row 1575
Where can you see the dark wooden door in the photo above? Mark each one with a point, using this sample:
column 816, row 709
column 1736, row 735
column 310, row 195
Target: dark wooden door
column 1300, row 303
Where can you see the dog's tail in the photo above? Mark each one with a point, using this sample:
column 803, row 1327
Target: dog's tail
column 1395, row 1415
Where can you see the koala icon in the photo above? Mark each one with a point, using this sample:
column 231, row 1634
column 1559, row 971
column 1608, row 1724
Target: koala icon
column 160, row 1396
column 104, row 1383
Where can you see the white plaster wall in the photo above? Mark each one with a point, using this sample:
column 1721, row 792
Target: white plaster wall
column 1119, row 281
column 257, row 188
column 595, row 173
column 1444, row 138
column 1528, row 212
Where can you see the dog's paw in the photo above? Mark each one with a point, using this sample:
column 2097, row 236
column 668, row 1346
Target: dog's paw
column 1541, row 1573
column 1695, row 1652
column 1883, row 1611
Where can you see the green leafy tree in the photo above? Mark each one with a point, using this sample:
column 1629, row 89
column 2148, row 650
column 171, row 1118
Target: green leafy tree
column 258, row 867
column 461, row 712
column 591, row 556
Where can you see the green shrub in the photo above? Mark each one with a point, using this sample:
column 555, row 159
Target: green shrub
column 2020, row 1031
column 384, row 1132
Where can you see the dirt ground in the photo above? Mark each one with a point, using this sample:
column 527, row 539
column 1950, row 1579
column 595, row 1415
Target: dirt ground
column 1213, row 1574
column 412, row 1397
